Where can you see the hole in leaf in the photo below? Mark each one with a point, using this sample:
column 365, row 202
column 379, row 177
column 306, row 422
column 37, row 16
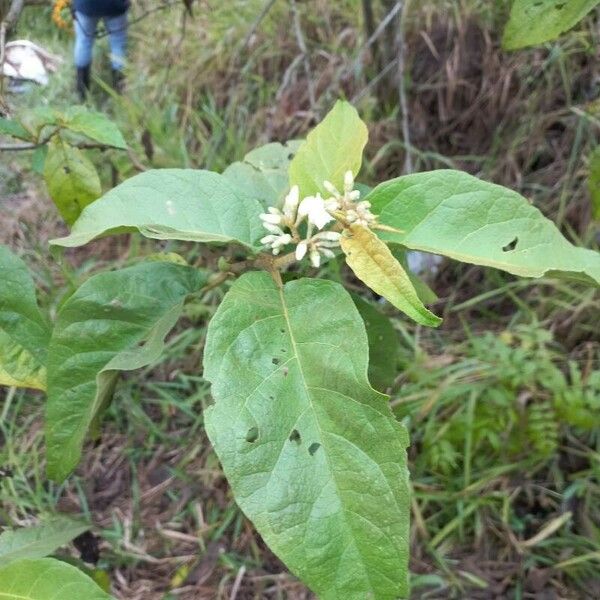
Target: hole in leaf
column 560, row 5
column 252, row 434
column 285, row 371
column 313, row 448
column 295, row 436
column 282, row 330
column 283, row 350
column 66, row 170
column 510, row 246
column 290, row 156
column 275, row 361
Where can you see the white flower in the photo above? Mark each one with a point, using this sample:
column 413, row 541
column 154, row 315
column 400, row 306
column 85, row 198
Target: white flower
column 301, row 249
column 348, row 182
column 273, row 218
column 290, row 204
column 332, row 189
column 328, row 236
column 315, row 258
column 314, row 208
column 276, row 242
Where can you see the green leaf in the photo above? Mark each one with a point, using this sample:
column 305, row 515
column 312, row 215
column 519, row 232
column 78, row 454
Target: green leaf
column 383, row 345
column 313, row 454
column 47, row 579
column 454, row 214
column 594, row 182
column 333, row 147
column 263, row 173
column 38, row 541
column 172, row 204
column 533, row 22
column 425, row 293
column 38, row 159
column 14, row 129
column 24, row 331
column 93, row 125
column 373, row 263
column 71, row 178
column 115, row 321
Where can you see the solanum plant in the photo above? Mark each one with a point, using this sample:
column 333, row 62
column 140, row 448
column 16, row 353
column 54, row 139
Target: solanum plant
column 313, row 453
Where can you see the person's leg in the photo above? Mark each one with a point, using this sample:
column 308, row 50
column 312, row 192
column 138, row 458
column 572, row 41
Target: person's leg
column 85, row 34
column 117, row 36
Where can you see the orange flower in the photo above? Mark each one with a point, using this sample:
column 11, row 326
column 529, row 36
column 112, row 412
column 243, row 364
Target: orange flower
column 59, row 11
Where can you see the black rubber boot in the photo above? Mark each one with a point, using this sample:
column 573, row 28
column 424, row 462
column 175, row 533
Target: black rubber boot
column 83, row 82
column 118, row 80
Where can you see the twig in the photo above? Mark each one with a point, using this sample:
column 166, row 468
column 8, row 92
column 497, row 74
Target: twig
column 302, row 45
column 374, row 81
column 255, row 25
column 404, row 116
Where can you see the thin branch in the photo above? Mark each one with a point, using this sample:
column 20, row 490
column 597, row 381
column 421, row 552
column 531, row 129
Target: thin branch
column 404, row 114
column 302, row 45
column 256, row 24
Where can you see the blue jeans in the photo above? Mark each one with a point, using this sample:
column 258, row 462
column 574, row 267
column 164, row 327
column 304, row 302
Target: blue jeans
column 85, row 35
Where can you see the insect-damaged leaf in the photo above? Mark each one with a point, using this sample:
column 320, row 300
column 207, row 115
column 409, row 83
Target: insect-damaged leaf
column 373, row 263
column 457, row 215
column 533, row 22
column 313, row 454
column 115, row 321
column 71, row 178
column 172, row 204
column 24, row 331
column 333, row 147
column 47, row 579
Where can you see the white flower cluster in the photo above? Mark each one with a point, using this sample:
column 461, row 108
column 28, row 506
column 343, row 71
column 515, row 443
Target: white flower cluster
column 341, row 208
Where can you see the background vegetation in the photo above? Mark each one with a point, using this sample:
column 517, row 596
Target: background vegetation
column 502, row 402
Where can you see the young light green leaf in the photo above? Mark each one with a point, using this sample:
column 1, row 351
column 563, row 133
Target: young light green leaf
column 115, row 321
column 71, row 178
column 40, row 540
column 374, row 264
column 14, row 129
column 263, row 173
column 47, row 579
column 594, row 182
column 24, row 331
column 383, row 345
column 93, row 125
column 172, row 204
column 533, row 22
column 333, row 147
column 313, row 453
column 457, row 215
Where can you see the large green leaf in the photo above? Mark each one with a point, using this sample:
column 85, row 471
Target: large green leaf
column 47, row 579
column 71, row 178
column 263, row 173
column 24, row 331
column 383, row 345
column 457, row 215
column 38, row 541
column 313, row 454
column 116, row 321
column 172, row 204
column 533, row 22
column 333, row 147
column 94, row 125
